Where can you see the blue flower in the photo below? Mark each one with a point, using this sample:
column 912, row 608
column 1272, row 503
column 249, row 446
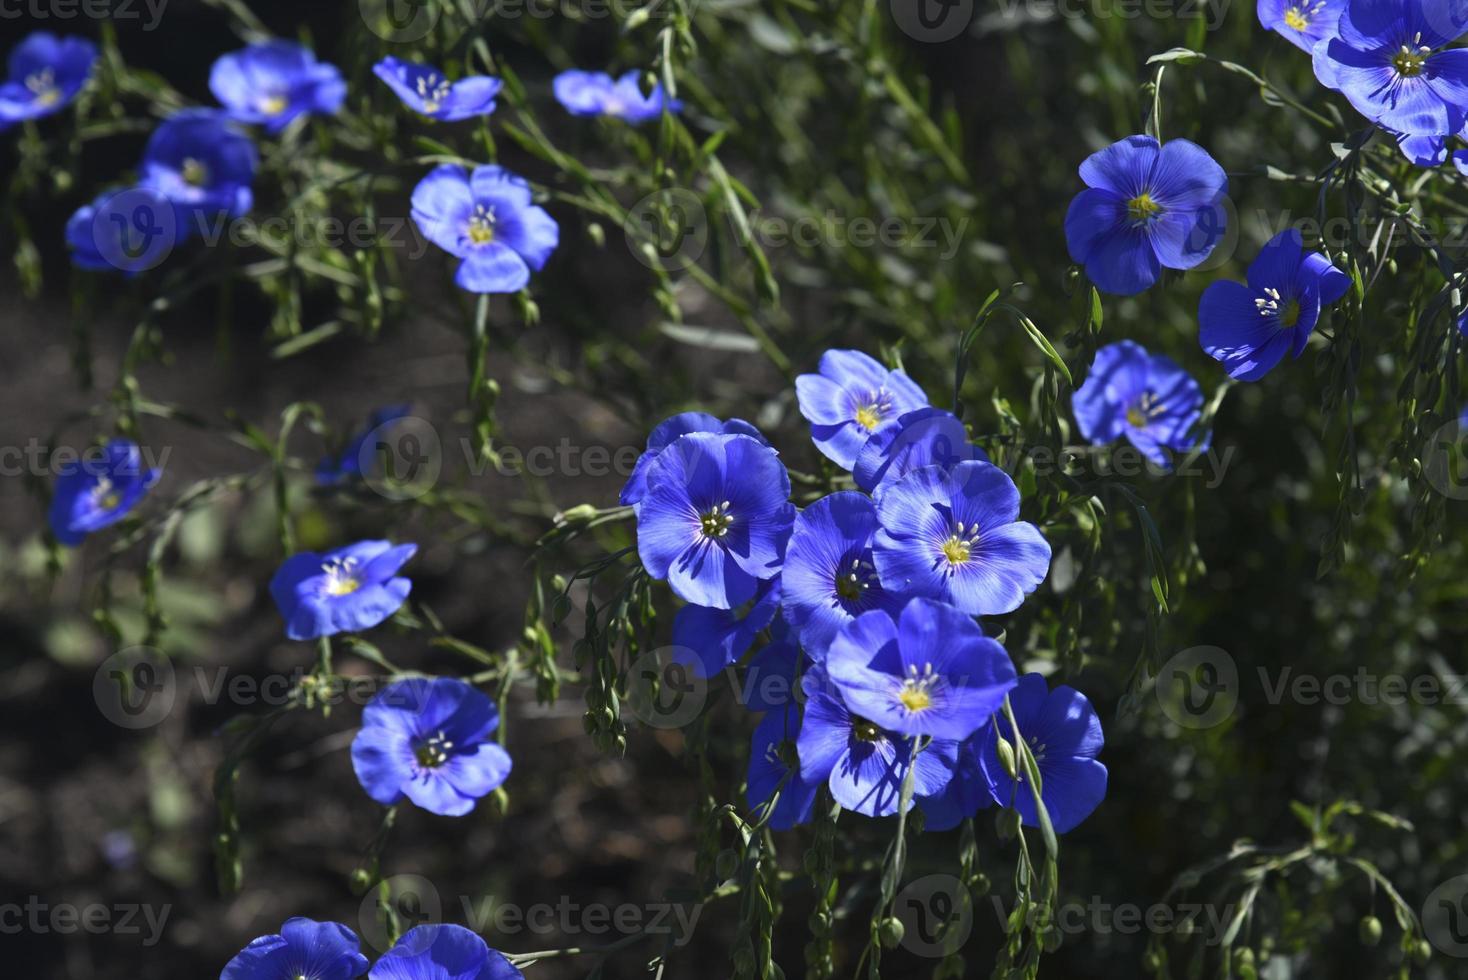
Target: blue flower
column 715, row 518
column 126, row 230
column 773, row 758
column 1249, row 328
column 929, row 670
column 588, row 93
column 343, row 591
column 862, row 763
column 202, row 166
column 668, row 430
column 1389, row 58
column 952, row 535
column 709, row 639
column 487, row 219
column 302, row 948
column 98, row 490
column 1146, row 207
column 429, row 740
column 1145, row 397
column 45, row 73
column 358, row 457
column 427, row 91
column 852, row 397
column 1064, row 735
column 443, row 952
column 926, row 437
column 274, row 82
column 829, row 578
column 1303, row 23
column 966, row 793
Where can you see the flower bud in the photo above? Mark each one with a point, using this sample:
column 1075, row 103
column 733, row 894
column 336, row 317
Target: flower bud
column 1006, row 758
column 890, row 931
column 1369, row 930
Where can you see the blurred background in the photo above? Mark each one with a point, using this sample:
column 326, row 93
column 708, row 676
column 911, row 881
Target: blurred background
column 1319, row 539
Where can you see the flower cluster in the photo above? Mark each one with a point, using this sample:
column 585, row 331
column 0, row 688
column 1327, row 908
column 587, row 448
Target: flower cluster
column 1148, row 207
column 308, row 950
column 1394, row 64
column 198, row 168
column 876, row 676
column 427, row 741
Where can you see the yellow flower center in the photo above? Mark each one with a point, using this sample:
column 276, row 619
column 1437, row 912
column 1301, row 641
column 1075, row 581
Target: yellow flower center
column 194, row 173
column 1297, row 19
column 1286, row 311
column 273, row 105
column 1142, row 209
column 960, row 545
column 867, row 417
column 481, row 225
column 854, row 584
column 340, row 577
column 432, row 90
column 1143, row 410
column 42, row 86
column 916, row 694
column 715, row 523
column 104, row 496
column 914, row 700
column 1409, row 60
column 434, row 752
